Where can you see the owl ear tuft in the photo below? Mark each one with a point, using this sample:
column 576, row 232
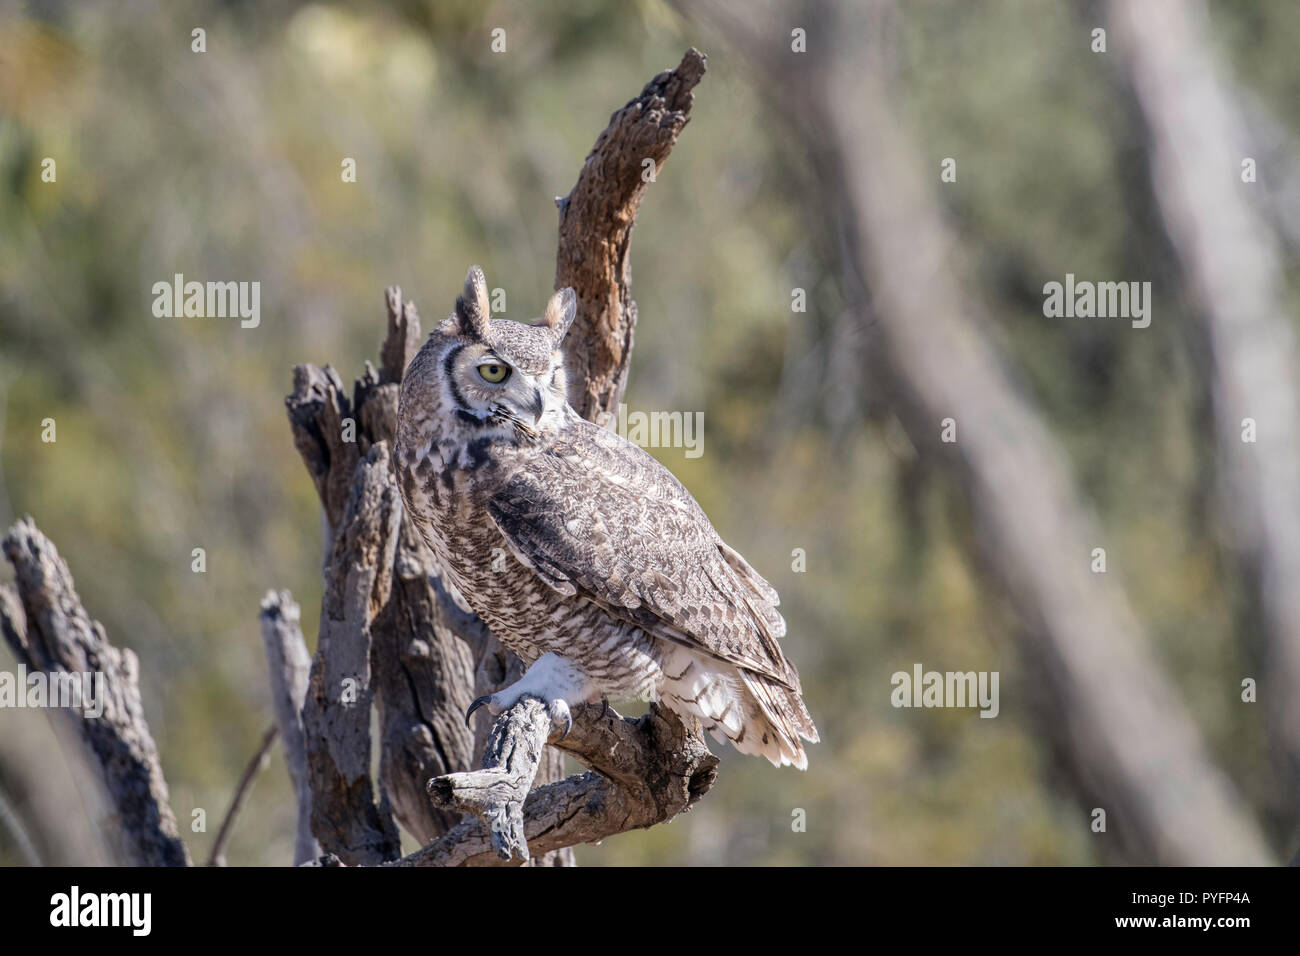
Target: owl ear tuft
column 472, row 308
column 560, row 313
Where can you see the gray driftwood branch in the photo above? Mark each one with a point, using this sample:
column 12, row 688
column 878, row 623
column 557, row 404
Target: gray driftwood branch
column 643, row 772
column 596, row 220
column 497, row 793
column 48, row 630
column 392, row 627
column 288, row 667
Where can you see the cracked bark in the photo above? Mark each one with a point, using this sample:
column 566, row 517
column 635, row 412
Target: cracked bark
column 48, row 630
column 393, row 636
column 643, row 772
column 596, row 221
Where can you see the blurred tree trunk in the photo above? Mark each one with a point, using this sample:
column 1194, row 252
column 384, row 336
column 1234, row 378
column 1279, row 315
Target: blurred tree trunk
column 1197, row 143
column 1132, row 743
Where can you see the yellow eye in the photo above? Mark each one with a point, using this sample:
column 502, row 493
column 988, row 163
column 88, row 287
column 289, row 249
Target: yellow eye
column 494, row 372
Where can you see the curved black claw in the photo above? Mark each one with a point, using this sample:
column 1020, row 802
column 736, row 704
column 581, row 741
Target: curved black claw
column 475, row 706
column 568, row 724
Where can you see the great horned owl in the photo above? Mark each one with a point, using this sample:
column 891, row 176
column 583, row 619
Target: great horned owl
column 585, row 556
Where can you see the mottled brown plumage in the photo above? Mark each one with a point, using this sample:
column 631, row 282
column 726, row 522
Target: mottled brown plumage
column 584, row 555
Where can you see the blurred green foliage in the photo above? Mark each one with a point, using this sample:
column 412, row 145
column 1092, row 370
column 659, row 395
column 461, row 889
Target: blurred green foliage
column 226, row 166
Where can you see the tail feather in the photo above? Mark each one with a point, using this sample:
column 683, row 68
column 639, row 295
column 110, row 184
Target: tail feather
column 756, row 714
column 780, row 720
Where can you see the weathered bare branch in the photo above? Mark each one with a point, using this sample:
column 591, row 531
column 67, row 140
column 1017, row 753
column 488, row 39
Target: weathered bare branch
column 496, row 668
column 596, row 220
column 424, row 681
column 498, row 791
column 49, row 630
column 289, row 667
column 336, row 714
column 255, row 766
column 317, row 408
column 644, row 772
column 403, row 338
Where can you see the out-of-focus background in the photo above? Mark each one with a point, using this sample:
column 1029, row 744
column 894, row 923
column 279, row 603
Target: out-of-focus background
column 225, row 165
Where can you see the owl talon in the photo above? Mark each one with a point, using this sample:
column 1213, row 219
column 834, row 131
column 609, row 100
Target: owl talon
column 559, row 710
column 568, row 726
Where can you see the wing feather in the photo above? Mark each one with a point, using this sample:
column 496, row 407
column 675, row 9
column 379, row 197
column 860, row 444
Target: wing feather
column 597, row 517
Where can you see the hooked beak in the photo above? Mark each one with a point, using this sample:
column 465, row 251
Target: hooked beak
column 538, row 406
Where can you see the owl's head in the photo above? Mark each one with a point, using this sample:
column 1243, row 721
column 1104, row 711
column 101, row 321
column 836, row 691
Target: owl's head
column 485, row 377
